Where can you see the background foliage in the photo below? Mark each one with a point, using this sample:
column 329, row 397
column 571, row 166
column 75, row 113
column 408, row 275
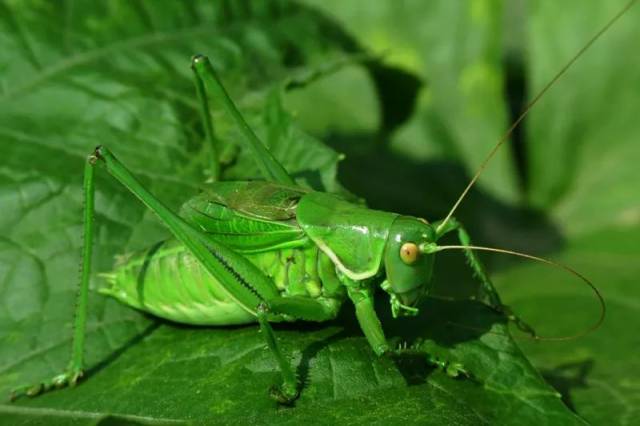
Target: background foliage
column 415, row 94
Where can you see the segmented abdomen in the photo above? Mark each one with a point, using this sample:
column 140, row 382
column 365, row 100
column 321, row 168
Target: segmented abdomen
column 169, row 282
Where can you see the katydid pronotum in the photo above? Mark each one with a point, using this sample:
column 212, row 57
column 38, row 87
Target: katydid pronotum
column 233, row 244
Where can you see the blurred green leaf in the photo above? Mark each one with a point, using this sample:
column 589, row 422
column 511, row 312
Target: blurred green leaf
column 455, row 49
column 117, row 73
column 583, row 156
column 583, row 139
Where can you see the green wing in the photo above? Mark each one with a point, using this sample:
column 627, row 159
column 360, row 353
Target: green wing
column 353, row 236
column 248, row 217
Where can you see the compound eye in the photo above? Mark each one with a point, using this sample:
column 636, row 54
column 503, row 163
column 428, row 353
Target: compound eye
column 409, row 253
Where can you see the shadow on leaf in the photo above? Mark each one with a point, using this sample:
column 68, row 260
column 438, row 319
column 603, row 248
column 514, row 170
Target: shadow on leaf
column 567, row 377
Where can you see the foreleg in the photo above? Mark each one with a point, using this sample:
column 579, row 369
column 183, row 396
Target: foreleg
column 207, row 78
column 488, row 293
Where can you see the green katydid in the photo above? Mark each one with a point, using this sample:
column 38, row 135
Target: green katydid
column 271, row 251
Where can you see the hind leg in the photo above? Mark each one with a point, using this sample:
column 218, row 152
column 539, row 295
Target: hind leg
column 75, row 369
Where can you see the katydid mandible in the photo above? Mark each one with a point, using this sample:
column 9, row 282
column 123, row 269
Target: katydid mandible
column 272, row 251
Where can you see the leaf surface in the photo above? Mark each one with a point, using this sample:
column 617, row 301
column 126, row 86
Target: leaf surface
column 118, row 74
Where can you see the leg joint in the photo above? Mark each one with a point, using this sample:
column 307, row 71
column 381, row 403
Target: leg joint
column 95, row 155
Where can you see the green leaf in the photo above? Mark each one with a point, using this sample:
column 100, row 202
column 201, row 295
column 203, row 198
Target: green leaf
column 117, row 73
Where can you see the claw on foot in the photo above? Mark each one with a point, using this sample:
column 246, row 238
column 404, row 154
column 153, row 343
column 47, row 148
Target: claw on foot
column 68, row 378
column 284, row 394
column 453, row 369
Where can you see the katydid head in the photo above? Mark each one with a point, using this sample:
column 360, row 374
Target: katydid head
column 408, row 270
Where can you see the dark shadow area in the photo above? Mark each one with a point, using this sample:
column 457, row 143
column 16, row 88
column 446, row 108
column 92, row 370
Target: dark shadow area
column 128, row 344
column 517, row 95
column 414, row 368
column 397, row 91
column 567, row 377
column 447, row 322
column 312, row 177
column 310, row 352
